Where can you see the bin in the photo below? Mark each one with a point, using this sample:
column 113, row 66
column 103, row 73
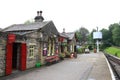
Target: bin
column 95, row 50
column 38, row 64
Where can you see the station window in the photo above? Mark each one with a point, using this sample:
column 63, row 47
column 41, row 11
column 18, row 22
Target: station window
column 31, row 51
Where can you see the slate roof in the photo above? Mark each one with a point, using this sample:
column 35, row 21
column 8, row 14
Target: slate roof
column 21, row 33
column 21, row 27
column 63, row 35
column 46, row 26
column 69, row 35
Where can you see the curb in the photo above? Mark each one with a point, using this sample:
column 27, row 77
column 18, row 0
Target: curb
column 110, row 69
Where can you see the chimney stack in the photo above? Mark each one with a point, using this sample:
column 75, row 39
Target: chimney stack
column 39, row 17
column 63, row 30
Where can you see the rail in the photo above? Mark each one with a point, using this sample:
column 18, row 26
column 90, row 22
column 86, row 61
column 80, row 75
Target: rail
column 115, row 64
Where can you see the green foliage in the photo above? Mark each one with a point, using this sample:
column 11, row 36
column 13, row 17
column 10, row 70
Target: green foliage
column 64, row 44
column 80, row 50
column 67, row 53
column 62, row 55
column 91, row 36
column 116, row 34
column 90, row 47
column 29, row 21
column 106, row 40
column 111, row 36
column 82, row 35
column 78, row 36
column 113, row 50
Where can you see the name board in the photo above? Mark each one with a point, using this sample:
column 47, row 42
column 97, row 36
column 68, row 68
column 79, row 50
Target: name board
column 60, row 39
column 97, row 35
column 11, row 38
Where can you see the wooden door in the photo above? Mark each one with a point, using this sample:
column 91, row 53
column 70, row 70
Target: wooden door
column 23, row 56
column 9, row 50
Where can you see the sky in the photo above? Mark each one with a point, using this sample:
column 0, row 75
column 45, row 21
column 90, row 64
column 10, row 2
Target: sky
column 68, row 14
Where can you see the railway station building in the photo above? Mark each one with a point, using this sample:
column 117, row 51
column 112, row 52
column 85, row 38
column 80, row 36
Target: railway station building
column 25, row 45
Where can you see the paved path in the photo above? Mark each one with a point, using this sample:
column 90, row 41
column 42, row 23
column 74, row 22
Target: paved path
column 91, row 66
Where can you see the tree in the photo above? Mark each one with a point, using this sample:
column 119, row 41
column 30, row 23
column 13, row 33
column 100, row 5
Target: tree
column 116, row 34
column 111, row 27
column 90, row 38
column 82, row 35
column 106, row 38
column 91, row 34
column 29, row 21
column 78, row 36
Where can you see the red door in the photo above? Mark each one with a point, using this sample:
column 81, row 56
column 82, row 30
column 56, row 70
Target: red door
column 9, row 49
column 23, row 56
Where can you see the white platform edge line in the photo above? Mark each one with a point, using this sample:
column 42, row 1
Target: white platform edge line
column 111, row 72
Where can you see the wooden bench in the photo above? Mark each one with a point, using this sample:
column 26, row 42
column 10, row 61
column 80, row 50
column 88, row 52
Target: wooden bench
column 52, row 59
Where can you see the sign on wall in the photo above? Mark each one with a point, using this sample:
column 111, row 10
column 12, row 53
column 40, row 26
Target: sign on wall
column 11, row 38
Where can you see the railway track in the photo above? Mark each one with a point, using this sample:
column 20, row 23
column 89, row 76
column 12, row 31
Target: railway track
column 115, row 64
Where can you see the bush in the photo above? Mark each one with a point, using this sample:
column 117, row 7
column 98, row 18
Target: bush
column 90, row 47
column 67, row 54
column 80, row 50
column 62, row 56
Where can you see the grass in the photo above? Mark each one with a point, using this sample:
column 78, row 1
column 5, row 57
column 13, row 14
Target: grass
column 113, row 50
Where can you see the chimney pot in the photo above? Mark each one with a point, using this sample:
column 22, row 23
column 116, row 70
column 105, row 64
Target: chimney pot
column 37, row 13
column 40, row 13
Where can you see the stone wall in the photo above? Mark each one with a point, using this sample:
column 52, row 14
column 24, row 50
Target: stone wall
column 31, row 61
column 2, row 56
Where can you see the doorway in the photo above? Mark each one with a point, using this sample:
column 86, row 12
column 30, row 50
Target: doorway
column 16, row 56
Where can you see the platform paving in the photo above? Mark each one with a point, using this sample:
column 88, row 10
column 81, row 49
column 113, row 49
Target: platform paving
column 91, row 66
column 100, row 70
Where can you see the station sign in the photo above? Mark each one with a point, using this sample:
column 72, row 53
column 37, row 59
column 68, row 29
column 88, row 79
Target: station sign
column 11, row 38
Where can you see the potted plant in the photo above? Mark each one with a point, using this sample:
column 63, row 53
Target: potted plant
column 62, row 56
